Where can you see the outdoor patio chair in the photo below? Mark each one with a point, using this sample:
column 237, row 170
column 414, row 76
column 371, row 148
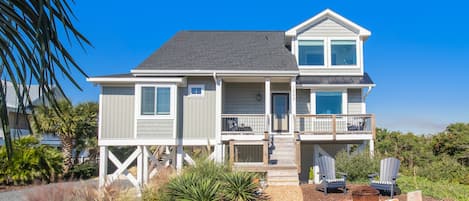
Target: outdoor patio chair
column 387, row 177
column 328, row 175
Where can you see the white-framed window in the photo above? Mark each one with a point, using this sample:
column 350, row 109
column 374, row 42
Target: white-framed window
column 343, row 52
column 327, row 52
column 155, row 100
column 196, row 89
column 311, row 52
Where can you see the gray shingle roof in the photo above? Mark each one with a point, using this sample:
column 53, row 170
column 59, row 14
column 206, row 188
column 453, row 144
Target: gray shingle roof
column 365, row 79
column 223, row 50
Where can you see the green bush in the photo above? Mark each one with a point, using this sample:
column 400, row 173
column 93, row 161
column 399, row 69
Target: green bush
column 239, row 186
column 439, row 189
column 357, row 166
column 30, row 161
column 209, row 181
column 85, row 170
column 445, row 168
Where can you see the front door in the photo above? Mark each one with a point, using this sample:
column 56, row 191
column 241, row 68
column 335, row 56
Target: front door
column 280, row 107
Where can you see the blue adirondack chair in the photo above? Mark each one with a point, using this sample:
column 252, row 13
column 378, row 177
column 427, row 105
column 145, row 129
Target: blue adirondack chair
column 328, row 175
column 389, row 168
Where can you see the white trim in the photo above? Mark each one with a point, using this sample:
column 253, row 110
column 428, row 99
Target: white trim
column 267, row 104
column 149, row 142
column 357, row 52
column 324, row 14
column 291, row 123
column 172, row 104
column 242, row 137
column 339, row 137
column 327, row 51
column 175, row 120
column 312, row 100
column 218, row 117
column 100, row 110
column 191, row 86
column 210, row 72
column 329, row 86
column 343, row 95
column 101, row 80
column 324, row 48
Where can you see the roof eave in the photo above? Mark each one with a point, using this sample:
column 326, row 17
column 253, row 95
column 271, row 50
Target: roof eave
column 362, row 32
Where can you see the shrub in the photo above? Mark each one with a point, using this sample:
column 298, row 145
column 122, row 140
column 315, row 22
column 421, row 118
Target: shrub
column 30, row 161
column 84, row 170
column 439, row 189
column 357, row 166
column 239, row 186
column 190, row 186
column 446, row 168
column 209, row 181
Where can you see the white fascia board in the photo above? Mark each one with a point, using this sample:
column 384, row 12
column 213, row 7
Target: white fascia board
column 309, row 86
column 210, row 73
column 362, row 31
column 101, row 80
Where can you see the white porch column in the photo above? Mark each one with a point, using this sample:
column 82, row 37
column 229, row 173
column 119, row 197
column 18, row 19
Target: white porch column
column 372, row 147
column 267, row 104
column 292, row 104
column 218, row 110
column 145, row 164
column 315, row 163
column 179, row 156
column 140, row 167
column 103, row 155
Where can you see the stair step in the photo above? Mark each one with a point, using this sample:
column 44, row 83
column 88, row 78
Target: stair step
column 283, row 183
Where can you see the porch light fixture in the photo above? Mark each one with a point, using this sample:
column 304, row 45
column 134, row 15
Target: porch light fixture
column 258, row 97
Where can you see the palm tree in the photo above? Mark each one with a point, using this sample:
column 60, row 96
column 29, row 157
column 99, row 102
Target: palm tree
column 71, row 124
column 32, row 51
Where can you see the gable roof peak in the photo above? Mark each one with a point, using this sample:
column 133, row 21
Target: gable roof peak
column 328, row 13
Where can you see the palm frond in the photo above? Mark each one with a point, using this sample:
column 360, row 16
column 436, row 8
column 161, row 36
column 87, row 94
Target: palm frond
column 32, row 51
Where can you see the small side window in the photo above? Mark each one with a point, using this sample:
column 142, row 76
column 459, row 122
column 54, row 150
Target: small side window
column 196, row 90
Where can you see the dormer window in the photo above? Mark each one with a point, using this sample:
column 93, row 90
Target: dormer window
column 343, row 52
column 327, row 52
column 311, row 52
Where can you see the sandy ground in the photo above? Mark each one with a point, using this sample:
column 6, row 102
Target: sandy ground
column 284, row 193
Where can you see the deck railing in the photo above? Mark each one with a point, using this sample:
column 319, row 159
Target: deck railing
column 335, row 124
column 249, row 124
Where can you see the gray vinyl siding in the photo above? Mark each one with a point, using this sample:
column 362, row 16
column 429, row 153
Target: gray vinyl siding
column 354, row 101
column 329, row 28
column 199, row 112
column 240, row 98
column 284, row 87
column 117, row 112
column 155, row 128
column 303, row 104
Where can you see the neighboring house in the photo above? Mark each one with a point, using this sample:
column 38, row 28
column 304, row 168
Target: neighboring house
column 267, row 101
column 18, row 120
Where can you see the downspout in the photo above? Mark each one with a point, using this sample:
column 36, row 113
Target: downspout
column 367, row 93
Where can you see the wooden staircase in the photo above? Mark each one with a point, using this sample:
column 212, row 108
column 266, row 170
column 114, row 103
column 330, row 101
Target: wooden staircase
column 282, row 166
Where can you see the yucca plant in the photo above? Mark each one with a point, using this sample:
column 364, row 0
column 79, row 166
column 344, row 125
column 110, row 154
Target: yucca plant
column 193, row 187
column 239, row 186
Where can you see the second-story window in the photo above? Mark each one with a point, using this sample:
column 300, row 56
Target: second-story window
column 311, row 52
column 343, row 52
column 155, row 101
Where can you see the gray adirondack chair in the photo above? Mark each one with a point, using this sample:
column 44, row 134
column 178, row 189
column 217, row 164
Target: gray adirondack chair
column 387, row 176
column 328, row 175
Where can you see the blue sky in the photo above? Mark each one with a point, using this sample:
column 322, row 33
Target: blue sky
column 418, row 54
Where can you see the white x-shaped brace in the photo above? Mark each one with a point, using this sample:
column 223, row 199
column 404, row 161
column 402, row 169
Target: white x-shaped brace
column 122, row 168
